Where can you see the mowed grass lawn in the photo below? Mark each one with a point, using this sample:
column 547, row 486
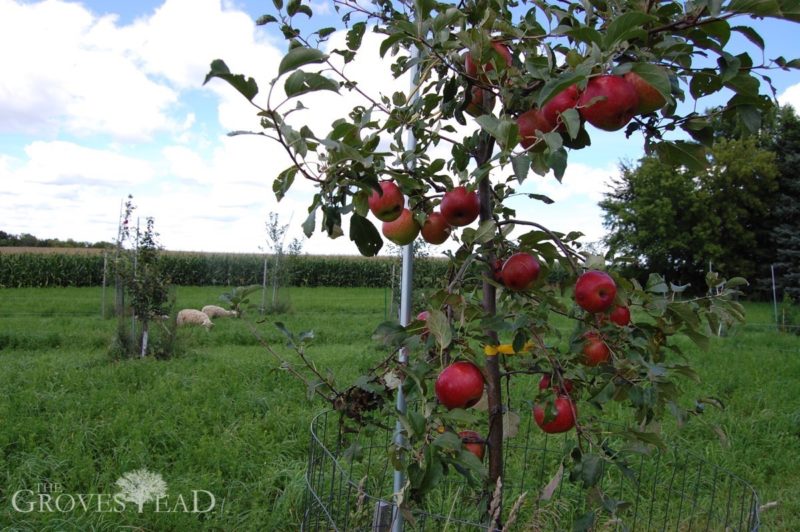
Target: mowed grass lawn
column 223, row 418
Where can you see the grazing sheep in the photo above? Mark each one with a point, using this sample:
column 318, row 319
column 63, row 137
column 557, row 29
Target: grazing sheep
column 214, row 311
column 192, row 316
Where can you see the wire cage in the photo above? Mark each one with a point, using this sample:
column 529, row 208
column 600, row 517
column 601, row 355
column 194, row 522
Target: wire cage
column 350, row 483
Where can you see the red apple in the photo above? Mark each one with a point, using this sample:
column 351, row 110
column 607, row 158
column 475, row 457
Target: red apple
column 459, row 385
column 473, row 443
column 595, row 291
column 528, row 123
column 621, row 316
column 564, row 389
column 479, row 71
column 481, row 102
column 595, row 350
column 615, row 102
column 520, row 271
column 566, row 99
column 403, row 230
column 566, row 412
column 387, row 204
column 650, row 100
column 436, row 229
column 460, row 207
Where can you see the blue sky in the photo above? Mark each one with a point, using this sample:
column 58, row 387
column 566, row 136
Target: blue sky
column 99, row 99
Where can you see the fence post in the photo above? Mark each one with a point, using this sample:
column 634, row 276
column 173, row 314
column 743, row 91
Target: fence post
column 774, row 296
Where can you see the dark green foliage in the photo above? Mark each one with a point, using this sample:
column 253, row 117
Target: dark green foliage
column 786, row 233
column 29, row 240
column 217, row 269
column 678, row 222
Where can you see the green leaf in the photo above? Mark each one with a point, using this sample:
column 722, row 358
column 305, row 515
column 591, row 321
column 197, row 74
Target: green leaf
column 485, row 232
column 365, row 235
column 449, row 441
column 282, row 183
column 521, row 165
column 355, row 35
column 248, row 87
column 541, row 197
column 390, row 41
column 310, row 223
column 751, row 35
column 591, row 470
column 557, row 161
column 300, row 82
column 656, row 76
column 439, row 327
column 625, row 26
column 681, row 153
column 572, row 120
column 265, row 19
column 555, row 85
column 298, row 57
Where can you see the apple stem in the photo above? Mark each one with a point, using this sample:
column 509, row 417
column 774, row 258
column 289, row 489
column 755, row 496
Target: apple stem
column 493, row 392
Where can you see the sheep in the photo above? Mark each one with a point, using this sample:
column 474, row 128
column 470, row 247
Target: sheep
column 192, row 316
column 213, row 311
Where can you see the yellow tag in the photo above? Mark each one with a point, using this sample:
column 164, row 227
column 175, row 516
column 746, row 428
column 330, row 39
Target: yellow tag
column 505, row 349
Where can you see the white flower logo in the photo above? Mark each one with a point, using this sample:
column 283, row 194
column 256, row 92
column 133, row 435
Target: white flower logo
column 141, row 486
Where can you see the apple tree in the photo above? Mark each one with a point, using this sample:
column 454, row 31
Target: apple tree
column 502, row 91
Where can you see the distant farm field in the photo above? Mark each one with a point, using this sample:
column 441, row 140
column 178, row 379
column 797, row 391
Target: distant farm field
column 224, row 418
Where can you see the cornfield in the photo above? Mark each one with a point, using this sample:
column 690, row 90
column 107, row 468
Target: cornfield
column 49, row 267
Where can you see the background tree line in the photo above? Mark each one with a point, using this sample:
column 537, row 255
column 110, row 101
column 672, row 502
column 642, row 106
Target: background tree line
column 32, row 241
column 738, row 216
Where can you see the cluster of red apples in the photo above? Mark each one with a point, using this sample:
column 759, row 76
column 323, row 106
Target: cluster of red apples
column 461, row 384
column 459, row 207
column 608, row 102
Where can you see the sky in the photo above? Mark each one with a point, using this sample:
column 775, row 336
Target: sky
column 100, row 99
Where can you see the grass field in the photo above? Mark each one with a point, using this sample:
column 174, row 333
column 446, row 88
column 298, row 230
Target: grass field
column 223, row 418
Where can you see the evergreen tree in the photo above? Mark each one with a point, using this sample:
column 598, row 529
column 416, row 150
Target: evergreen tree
column 786, row 233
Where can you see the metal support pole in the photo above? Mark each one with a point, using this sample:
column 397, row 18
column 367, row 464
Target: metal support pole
column 406, row 283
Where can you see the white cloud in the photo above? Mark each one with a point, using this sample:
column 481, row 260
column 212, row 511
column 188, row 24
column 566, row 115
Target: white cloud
column 791, row 96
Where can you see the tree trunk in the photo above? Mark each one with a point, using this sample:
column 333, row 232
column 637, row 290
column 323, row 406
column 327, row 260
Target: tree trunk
column 494, row 396
column 145, row 335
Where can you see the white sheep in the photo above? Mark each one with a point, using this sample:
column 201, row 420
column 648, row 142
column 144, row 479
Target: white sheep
column 213, row 311
column 193, row 316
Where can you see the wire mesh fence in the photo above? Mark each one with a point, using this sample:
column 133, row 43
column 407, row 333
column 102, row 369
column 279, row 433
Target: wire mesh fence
column 350, row 483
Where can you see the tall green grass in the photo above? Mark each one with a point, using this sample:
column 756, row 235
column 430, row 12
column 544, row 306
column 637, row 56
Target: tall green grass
column 225, row 418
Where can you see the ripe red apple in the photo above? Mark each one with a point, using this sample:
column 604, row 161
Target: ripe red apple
column 566, row 412
column 520, row 271
column 528, row 123
column 564, row 389
column 595, row 350
column 479, row 71
column 436, row 229
column 460, row 207
column 387, row 204
column 473, row 443
column 595, row 291
column 459, row 385
column 616, row 102
column 566, row 99
column 481, row 102
column 621, row 316
column 650, row 100
column 403, row 230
